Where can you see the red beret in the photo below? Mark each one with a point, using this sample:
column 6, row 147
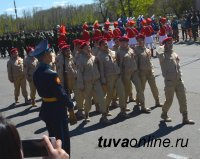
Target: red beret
column 65, row 47
column 85, row 26
column 77, row 41
column 163, row 20
column 140, row 36
column 131, row 23
column 13, row 50
column 29, row 49
column 96, row 25
column 61, row 44
column 144, row 22
column 83, row 44
column 167, row 39
column 115, row 24
column 149, row 21
column 124, row 38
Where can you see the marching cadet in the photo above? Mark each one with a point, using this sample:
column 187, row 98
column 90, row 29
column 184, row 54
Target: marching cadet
column 131, row 33
column 88, row 81
column 55, row 100
column 66, row 68
column 129, row 70
column 96, row 31
column 79, row 94
column 116, row 45
column 163, row 30
column 116, row 32
column 145, row 67
column 16, row 75
column 108, row 34
column 30, row 65
column 171, row 72
column 95, row 48
column 85, row 35
column 110, row 76
column 147, row 31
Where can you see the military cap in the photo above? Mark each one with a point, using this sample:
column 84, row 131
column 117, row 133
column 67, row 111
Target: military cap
column 29, row 49
column 124, row 38
column 115, row 24
column 66, row 46
column 41, row 49
column 166, row 40
column 85, row 43
column 13, row 50
column 60, row 45
column 144, row 22
column 140, row 36
column 149, row 21
column 163, row 20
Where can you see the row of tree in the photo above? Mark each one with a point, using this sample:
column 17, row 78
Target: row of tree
column 100, row 10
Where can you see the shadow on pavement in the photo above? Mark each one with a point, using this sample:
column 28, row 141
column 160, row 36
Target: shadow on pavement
column 163, row 130
column 28, row 122
column 24, row 112
column 41, row 130
column 81, row 129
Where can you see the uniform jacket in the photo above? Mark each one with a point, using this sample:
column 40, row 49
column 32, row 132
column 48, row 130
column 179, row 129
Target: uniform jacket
column 87, row 70
column 170, row 66
column 15, row 68
column 108, row 64
column 30, row 65
column 147, row 30
column 127, row 60
column 48, row 85
column 144, row 58
column 131, row 32
column 70, row 67
column 117, row 32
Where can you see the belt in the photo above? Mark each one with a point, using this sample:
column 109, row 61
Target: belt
column 52, row 99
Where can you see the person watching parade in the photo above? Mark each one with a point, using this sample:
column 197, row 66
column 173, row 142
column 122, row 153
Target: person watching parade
column 16, row 75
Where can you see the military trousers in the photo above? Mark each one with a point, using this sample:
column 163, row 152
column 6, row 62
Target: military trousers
column 134, row 77
column 91, row 87
column 60, row 130
column 171, row 87
column 79, row 97
column 32, row 90
column 114, row 84
column 148, row 76
column 20, row 82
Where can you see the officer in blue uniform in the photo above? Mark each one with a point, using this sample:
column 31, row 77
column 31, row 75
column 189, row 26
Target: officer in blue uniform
column 55, row 101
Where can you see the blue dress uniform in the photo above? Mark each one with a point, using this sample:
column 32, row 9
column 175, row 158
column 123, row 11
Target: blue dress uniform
column 54, row 100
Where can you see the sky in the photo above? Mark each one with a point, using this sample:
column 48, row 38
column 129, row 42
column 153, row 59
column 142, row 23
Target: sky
column 7, row 6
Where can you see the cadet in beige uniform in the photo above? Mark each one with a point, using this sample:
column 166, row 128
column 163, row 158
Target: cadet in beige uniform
column 110, row 76
column 116, row 48
column 16, row 75
column 30, row 65
column 65, row 66
column 88, row 81
column 145, row 66
column 128, row 65
column 171, row 72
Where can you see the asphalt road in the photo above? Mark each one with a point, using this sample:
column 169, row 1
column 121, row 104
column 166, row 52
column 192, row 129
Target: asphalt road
column 91, row 140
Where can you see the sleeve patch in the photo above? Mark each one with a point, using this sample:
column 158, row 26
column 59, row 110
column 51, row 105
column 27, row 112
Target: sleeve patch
column 57, row 79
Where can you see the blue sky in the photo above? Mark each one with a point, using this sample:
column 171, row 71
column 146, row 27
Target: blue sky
column 7, row 6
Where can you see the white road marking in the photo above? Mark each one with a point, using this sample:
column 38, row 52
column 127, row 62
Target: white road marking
column 177, row 156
